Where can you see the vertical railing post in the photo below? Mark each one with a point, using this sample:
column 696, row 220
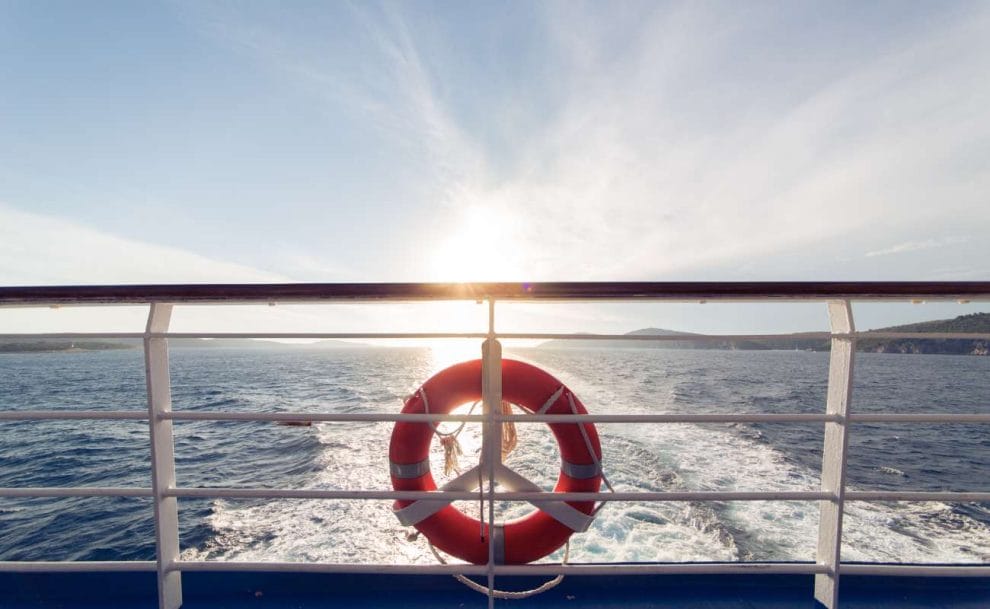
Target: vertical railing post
column 840, row 379
column 162, row 456
column 491, row 396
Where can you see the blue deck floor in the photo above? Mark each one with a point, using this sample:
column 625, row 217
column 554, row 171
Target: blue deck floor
column 313, row 591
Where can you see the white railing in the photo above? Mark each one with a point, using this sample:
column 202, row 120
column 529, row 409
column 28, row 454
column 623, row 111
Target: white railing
column 836, row 418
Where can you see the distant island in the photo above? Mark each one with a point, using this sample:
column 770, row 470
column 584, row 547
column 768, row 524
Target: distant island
column 240, row 343
column 44, row 345
column 52, row 345
column 975, row 323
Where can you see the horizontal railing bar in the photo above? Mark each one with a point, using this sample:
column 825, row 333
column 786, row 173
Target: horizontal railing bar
column 502, row 335
column 544, row 418
column 664, row 337
column 533, row 569
column 71, row 335
column 413, row 335
column 309, row 292
column 246, row 493
column 242, row 335
column 917, row 570
column 664, row 569
column 75, row 566
column 919, row 418
column 674, row 496
column 716, row 337
column 275, row 493
column 668, row 418
column 44, row 415
column 755, row 337
column 75, row 491
column 260, row 493
column 960, row 497
column 344, row 417
column 338, row 335
column 140, row 415
column 925, row 335
column 311, row 567
column 28, row 415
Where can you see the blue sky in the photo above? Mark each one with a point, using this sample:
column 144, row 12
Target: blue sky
column 201, row 141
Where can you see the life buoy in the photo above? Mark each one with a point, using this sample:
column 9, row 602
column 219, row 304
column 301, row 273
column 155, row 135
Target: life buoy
column 519, row 541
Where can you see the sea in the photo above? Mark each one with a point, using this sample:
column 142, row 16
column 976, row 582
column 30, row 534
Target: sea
column 637, row 457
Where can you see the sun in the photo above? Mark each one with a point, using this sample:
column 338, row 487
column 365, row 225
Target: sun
column 483, row 247
column 446, row 353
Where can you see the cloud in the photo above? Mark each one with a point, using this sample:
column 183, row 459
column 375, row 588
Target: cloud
column 42, row 250
column 362, row 57
column 652, row 167
column 912, row 246
column 679, row 138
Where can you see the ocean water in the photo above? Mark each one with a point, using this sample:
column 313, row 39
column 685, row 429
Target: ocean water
column 637, row 457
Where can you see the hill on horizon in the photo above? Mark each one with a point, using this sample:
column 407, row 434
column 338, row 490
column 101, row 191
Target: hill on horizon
column 45, row 345
column 973, row 323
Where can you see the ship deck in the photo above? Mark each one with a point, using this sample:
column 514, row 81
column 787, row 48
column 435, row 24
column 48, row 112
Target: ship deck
column 264, row 590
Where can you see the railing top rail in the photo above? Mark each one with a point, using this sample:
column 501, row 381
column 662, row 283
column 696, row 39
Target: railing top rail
column 642, row 290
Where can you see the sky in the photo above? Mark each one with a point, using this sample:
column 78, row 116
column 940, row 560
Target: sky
column 518, row 141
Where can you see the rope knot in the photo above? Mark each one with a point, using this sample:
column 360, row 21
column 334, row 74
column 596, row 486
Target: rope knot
column 451, row 450
column 509, row 437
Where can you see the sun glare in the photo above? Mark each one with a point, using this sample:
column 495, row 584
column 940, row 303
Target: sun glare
column 445, row 353
column 482, row 248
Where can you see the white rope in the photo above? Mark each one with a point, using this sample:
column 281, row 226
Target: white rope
column 550, row 401
column 434, row 426
column 506, row 594
column 553, row 583
column 591, row 451
column 451, row 445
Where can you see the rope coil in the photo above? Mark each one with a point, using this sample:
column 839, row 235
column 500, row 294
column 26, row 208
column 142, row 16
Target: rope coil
column 506, row 594
column 451, row 445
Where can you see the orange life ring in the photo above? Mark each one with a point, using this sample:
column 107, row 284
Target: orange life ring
column 518, row 541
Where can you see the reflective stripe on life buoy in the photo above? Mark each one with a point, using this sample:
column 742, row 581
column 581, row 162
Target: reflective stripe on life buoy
column 525, row 539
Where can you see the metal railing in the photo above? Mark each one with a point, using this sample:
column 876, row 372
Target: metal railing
column 836, row 418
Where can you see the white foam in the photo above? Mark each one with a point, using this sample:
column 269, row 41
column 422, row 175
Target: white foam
column 637, row 457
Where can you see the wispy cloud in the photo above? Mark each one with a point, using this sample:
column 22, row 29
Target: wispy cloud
column 629, row 181
column 42, row 250
column 912, row 246
column 637, row 185
column 37, row 249
column 683, row 137
column 364, row 58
